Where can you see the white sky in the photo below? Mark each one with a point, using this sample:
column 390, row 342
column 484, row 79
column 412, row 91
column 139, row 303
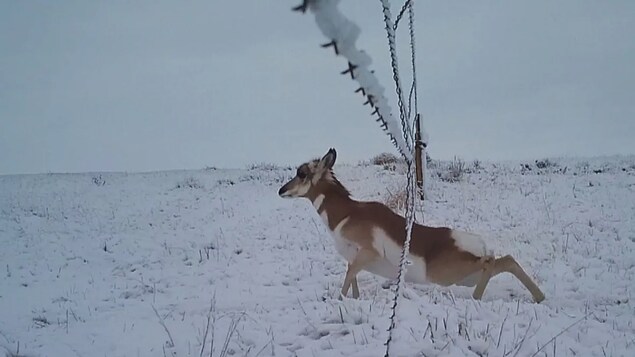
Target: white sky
column 150, row 85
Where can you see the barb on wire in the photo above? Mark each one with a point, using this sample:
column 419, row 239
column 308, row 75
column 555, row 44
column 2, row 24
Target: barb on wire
column 302, row 7
column 332, row 44
column 350, row 69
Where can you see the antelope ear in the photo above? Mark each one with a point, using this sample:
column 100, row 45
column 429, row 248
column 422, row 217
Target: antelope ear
column 328, row 160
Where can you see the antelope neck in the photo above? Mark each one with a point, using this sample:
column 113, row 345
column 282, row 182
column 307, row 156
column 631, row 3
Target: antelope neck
column 331, row 206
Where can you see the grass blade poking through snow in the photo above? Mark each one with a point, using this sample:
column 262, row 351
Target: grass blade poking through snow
column 162, row 322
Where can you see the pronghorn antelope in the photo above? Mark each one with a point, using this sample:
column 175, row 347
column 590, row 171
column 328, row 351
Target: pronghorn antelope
column 370, row 236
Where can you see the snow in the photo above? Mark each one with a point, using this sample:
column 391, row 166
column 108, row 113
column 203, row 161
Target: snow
column 86, row 258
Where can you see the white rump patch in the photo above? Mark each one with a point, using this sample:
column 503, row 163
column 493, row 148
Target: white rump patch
column 469, row 242
column 318, row 202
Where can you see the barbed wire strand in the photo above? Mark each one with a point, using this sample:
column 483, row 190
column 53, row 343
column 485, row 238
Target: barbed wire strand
column 395, row 71
column 405, row 115
column 413, row 88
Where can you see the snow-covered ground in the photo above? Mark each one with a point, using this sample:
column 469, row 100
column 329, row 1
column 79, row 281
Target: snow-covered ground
column 179, row 263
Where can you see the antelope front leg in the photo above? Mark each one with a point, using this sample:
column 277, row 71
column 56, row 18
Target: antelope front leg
column 362, row 259
column 355, row 286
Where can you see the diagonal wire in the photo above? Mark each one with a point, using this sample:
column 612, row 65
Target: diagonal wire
column 400, row 15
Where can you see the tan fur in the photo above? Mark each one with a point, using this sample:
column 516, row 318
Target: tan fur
column 445, row 263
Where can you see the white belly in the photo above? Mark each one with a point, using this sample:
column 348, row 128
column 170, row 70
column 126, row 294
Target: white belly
column 387, row 265
column 344, row 247
column 391, row 254
column 383, row 267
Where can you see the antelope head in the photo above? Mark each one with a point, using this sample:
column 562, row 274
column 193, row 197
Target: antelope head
column 309, row 175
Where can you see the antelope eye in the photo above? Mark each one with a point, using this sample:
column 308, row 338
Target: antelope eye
column 301, row 174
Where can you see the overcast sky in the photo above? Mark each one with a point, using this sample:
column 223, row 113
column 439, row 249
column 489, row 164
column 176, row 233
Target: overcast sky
column 151, row 85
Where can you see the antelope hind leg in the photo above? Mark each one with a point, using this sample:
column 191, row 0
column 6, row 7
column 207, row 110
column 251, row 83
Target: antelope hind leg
column 507, row 264
column 510, row 265
column 487, row 272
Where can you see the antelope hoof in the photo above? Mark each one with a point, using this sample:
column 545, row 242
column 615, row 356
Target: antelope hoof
column 539, row 298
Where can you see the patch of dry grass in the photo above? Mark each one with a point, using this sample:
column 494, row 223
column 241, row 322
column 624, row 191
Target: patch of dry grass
column 396, row 199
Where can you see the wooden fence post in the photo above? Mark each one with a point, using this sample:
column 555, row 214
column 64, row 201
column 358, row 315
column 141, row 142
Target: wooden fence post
column 419, row 152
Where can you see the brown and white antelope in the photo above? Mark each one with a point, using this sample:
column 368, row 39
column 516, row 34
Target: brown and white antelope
column 370, row 236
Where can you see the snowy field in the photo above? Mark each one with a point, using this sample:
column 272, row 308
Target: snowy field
column 214, row 263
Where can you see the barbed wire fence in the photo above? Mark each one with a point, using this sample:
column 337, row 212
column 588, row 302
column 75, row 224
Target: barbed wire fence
column 405, row 116
column 343, row 34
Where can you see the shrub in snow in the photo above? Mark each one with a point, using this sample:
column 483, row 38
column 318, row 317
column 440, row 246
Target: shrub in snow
column 263, row 166
column 583, row 167
column 99, row 181
column 476, row 165
column 453, row 172
column 225, row 182
column 190, row 182
column 384, row 159
column 264, row 176
column 545, row 164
